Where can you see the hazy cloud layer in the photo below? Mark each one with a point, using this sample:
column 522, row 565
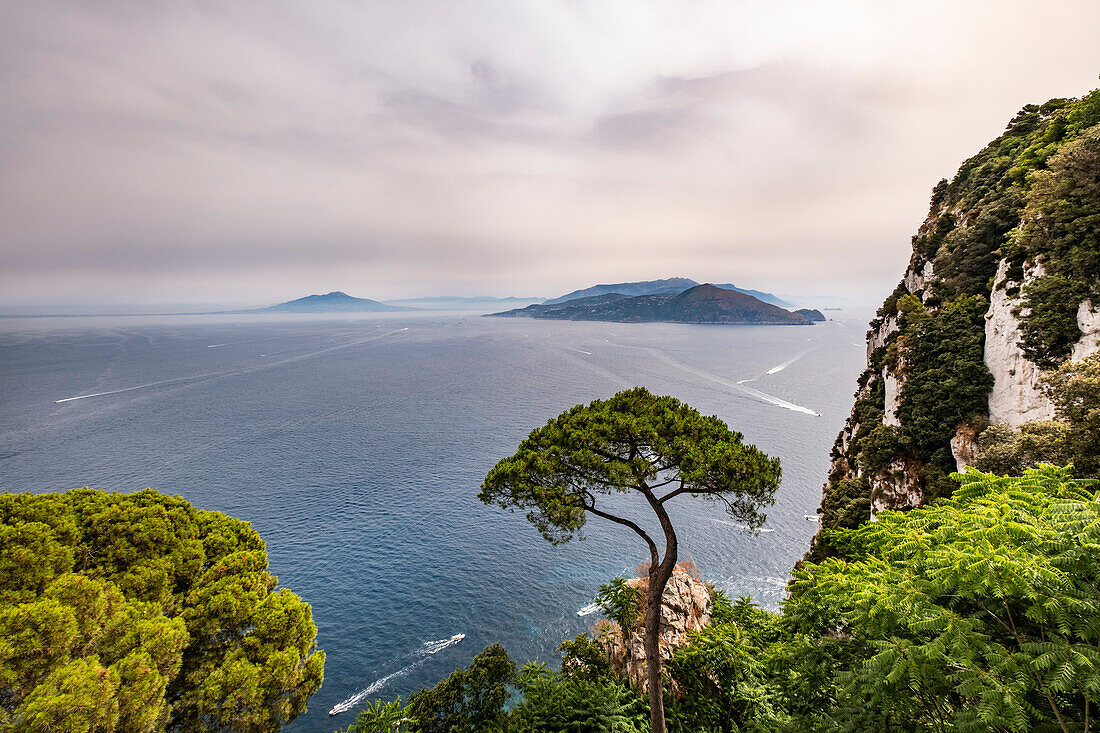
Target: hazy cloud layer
column 256, row 151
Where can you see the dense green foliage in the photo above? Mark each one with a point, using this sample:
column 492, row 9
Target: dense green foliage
column 1075, row 390
column 558, row 702
column 584, row 697
column 1003, row 449
column 633, row 442
column 946, row 380
column 468, row 699
column 622, row 603
column 978, row 613
column 139, row 612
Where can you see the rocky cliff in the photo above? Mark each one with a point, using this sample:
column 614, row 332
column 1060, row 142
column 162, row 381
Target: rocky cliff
column 685, row 607
column 1000, row 289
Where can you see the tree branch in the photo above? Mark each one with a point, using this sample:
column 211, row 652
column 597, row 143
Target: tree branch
column 682, row 490
column 590, row 506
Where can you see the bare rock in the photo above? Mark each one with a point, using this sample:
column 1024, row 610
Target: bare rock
column 896, row 487
column 1088, row 320
column 964, row 446
column 1016, row 398
column 685, row 608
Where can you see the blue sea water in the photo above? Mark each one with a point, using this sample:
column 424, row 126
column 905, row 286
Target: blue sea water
column 355, row 446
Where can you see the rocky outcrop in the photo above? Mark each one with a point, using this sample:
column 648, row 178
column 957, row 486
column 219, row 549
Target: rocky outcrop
column 685, row 607
column 892, row 381
column 1016, row 397
column 915, row 279
column 876, row 338
column 1088, row 320
column 964, row 446
column 896, row 487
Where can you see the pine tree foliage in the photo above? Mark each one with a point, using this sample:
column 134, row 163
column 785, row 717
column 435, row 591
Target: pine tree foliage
column 138, row 612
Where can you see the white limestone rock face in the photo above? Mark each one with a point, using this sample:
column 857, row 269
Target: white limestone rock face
column 878, row 338
column 896, row 487
column 1016, row 398
column 685, row 607
column 1088, row 320
column 915, row 281
column 893, row 386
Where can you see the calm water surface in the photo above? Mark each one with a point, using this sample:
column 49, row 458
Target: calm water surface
column 355, row 446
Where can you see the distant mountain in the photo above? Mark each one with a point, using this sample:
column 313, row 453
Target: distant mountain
column 646, row 287
column 699, row 304
column 715, row 304
column 758, row 294
column 811, row 314
column 671, row 285
column 334, row 302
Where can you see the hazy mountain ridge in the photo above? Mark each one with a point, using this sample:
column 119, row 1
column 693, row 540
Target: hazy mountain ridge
column 700, row 304
column 671, row 285
column 334, row 302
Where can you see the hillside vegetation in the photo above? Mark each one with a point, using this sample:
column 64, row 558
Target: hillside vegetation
column 699, row 304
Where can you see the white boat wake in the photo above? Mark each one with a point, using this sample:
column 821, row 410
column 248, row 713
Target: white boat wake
column 762, row 396
column 163, row 383
column 434, row 647
column 771, row 400
column 787, row 363
column 588, row 610
column 233, row 372
column 426, row 650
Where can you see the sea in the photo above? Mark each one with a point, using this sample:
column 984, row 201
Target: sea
column 355, row 445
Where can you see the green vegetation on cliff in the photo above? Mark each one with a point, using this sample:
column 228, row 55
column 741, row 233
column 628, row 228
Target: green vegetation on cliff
column 139, row 612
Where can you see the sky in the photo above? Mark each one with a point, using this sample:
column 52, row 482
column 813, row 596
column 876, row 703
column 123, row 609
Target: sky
column 246, row 152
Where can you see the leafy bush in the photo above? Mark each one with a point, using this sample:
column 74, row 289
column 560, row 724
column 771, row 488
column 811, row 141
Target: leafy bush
column 382, row 717
column 622, row 603
column 583, row 658
column 946, row 380
column 1003, row 449
column 1075, row 390
column 470, row 699
column 553, row 702
column 981, row 612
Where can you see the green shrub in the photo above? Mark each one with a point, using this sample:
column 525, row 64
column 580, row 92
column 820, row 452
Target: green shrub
column 622, row 603
column 470, row 699
column 1075, row 390
column 553, row 703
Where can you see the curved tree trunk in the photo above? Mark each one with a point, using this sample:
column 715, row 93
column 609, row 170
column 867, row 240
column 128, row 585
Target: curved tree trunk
column 658, row 579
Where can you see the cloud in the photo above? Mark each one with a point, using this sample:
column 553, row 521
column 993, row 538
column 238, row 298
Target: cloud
column 245, row 149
